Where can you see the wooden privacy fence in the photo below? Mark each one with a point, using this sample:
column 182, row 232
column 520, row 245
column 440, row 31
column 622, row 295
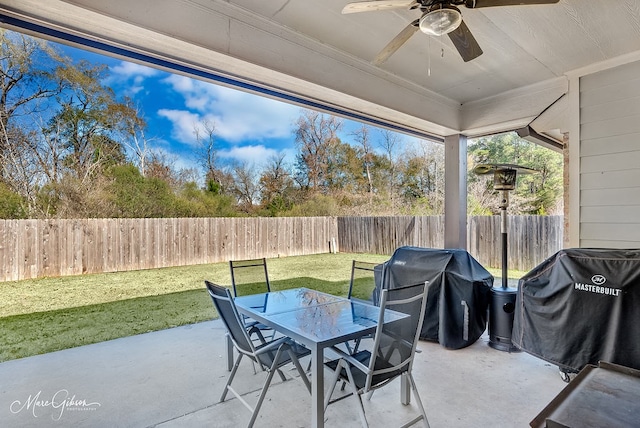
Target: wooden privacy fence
column 382, row 235
column 39, row 248
column 531, row 239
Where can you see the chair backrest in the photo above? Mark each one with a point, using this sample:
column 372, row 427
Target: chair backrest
column 395, row 342
column 224, row 304
column 362, row 283
column 249, row 276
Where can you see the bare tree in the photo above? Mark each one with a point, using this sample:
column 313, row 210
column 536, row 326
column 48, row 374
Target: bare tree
column 134, row 138
column 316, row 135
column 389, row 142
column 367, row 154
column 159, row 166
column 246, row 186
column 19, row 171
column 480, row 198
column 423, row 177
column 276, row 184
column 29, row 79
column 205, row 133
column 29, row 84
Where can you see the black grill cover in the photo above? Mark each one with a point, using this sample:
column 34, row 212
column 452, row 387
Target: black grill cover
column 458, row 296
column 581, row 306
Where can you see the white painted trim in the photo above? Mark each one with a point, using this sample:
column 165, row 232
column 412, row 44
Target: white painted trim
column 574, row 161
column 604, row 65
column 561, row 83
column 499, row 128
column 512, row 109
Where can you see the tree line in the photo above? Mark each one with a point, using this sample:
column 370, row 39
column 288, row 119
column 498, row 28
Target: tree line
column 72, row 148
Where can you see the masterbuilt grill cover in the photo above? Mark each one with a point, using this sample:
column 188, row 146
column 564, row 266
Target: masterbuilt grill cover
column 458, row 295
column 579, row 307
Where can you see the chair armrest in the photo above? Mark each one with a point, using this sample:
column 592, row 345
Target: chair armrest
column 350, row 359
column 272, row 345
column 255, row 330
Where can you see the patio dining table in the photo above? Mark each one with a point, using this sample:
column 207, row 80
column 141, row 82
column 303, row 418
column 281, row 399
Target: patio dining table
column 317, row 320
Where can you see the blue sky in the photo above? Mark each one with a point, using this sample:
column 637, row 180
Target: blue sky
column 249, row 128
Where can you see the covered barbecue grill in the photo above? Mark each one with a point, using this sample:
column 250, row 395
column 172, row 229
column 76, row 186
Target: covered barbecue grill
column 579, row 307
column 458, row 296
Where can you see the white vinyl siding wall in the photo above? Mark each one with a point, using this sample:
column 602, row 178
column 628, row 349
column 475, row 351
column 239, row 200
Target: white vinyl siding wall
column 610, row 158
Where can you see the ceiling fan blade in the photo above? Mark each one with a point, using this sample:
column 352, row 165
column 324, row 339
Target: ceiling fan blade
column 465, row 43
column 368, row 6
column 396, row 43
column 474, row 4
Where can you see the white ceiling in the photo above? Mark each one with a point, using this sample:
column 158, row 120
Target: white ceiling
column 310, row 51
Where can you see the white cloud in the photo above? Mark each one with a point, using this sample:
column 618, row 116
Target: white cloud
column 184, row 123
column 257, row 156
column 180, row 83
column 135, row 89
column 237, row 115
column 129, row 69
column 128, row 73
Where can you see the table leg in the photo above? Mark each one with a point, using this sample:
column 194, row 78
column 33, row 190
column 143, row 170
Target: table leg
column 317, row 387
column 405, row 389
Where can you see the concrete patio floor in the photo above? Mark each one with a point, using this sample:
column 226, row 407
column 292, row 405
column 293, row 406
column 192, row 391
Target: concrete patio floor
column 174, row 378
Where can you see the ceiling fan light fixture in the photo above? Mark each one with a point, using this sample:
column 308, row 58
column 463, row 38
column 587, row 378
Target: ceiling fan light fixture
column 440, row 19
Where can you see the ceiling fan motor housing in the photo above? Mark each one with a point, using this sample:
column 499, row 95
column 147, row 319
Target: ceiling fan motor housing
column 440, row 19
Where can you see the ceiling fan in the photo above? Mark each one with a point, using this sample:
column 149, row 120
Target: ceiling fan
column 438, row 17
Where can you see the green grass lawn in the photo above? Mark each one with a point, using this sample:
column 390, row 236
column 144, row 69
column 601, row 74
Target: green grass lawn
column 49, row 314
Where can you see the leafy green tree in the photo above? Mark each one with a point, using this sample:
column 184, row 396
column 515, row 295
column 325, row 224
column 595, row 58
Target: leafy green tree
column 316, row 205
column 194, row 202
column 12, row 205
column 89, row 119
column 132, row 195
column 60, row 127
column 537, row 193
column 344, row 170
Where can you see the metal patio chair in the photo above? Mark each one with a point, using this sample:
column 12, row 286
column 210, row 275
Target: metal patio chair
column 392, row 353
column 361, row 288
column 249, row 276
column 362, row 283
column 270, row 356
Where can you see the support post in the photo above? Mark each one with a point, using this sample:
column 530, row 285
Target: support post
column 505, row 240
column 455, row 191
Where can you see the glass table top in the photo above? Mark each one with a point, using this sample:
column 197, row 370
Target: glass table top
column 284, row 301
column 314, row 314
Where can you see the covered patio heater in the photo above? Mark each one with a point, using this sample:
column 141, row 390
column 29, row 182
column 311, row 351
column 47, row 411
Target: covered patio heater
column 503, row 298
